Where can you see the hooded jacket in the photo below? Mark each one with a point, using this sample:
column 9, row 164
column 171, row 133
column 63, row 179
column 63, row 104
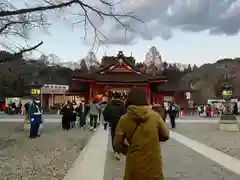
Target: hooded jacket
column 137, row 135
column 113, row 111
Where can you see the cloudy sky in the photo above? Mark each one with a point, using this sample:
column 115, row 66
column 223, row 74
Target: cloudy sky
column 185, row 31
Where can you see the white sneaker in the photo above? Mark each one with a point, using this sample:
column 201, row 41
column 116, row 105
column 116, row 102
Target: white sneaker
column 94, row 129
column 117, row 156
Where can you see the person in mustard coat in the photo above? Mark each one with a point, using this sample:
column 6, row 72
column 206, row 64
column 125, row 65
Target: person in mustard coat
column 137, row 136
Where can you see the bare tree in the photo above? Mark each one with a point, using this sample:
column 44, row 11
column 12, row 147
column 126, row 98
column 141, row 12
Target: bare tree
column 18, row 27
column 18, row 22
column 53, row 59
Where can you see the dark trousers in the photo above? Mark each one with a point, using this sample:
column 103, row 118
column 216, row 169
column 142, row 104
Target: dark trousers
column 66, row 121
column 172, row 121
column 93, row 120
column 112, row 136
column 82, row 120
column 34, row 127
column 105, row 124
column 73, row 120
column 99, row 116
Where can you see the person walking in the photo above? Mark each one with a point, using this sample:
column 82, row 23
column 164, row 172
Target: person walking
column 112, row 113
column 67, row 112
column 94, row 112
column 74, row 114
column 172, row 111
column 103, row 105
column 137, row 136
column 82, row 113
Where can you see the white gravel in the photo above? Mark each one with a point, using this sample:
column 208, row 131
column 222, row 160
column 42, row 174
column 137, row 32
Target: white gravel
column 45, row 158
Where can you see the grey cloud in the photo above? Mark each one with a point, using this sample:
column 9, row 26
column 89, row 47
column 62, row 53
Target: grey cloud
column 215, row 16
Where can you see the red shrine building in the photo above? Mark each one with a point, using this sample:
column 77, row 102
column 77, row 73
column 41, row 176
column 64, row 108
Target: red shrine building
column 120, row 74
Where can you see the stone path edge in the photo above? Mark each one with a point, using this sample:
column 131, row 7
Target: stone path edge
column 227, row 161
column 89, row 164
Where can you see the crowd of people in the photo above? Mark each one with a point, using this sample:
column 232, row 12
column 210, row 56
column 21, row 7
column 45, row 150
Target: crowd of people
column 73, row 112
column 13, row 108
column 216, row 109
column 136, row 129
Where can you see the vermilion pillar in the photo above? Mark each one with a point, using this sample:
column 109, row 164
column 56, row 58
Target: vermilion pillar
column 90, row 92
column 149, row 94
column 147, row 90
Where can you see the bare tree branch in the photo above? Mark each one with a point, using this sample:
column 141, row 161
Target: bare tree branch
column 22, row 51
column 52, row 6
column 9, row 24
column 18, row 22
column 72, row 3
column 28, row 49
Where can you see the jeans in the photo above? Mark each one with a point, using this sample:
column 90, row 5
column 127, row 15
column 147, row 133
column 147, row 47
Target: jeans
column 105, row 125
column 112, row 136
column 93, row 120
column 172, row 120
column 82, row 120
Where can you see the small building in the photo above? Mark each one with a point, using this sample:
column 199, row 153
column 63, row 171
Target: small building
column 53, row 94
column 179, row 92
column 119, row 74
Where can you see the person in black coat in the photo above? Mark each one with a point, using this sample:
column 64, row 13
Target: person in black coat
column 172, row 111
column 67, row 112
column 82, row 111
column 235, row 109
column 74, row 115
column 112, row 113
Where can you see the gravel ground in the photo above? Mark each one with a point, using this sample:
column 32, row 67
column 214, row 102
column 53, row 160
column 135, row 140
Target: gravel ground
column 208, row 133
column 45, row 158
column 51, row 116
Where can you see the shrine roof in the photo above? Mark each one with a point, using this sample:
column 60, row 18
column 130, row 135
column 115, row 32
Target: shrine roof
column 122, row 70
column 119, row 77
column 124, row 77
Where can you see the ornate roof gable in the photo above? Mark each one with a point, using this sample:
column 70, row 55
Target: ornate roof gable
column 120, row 66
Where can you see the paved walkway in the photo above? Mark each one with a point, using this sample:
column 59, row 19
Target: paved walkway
column 184, row 158
column 182, row 162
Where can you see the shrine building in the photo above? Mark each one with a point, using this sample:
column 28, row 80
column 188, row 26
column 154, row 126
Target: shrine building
column 120, row 74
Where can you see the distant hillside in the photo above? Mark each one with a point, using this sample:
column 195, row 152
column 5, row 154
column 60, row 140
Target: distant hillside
column 16, row 74
column 208, row 78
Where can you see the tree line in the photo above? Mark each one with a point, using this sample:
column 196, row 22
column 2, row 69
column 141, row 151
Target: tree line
column 17, row 75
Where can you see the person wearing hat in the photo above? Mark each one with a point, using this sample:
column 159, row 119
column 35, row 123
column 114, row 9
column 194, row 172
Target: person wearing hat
column 137, row 136
column 35, row 117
